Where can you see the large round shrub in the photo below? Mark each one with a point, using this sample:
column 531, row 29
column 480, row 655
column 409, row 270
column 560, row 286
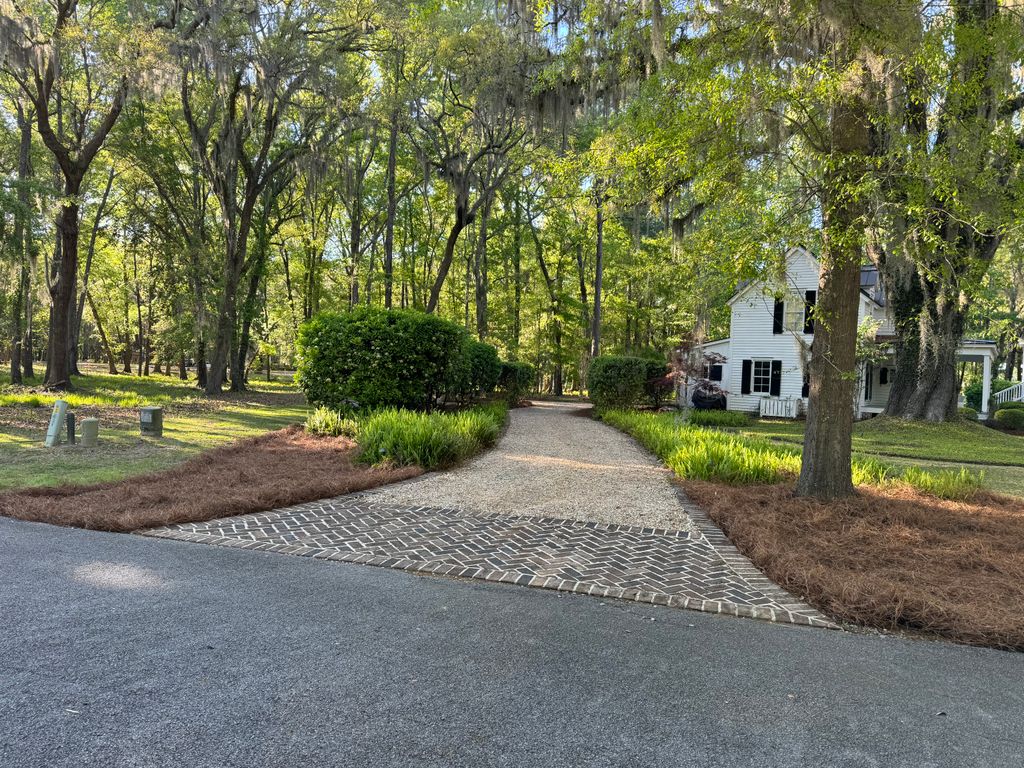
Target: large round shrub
column 516, row 380
column 377, row 358
column 1010, row 418
column 1013, row 405
column 617, row 381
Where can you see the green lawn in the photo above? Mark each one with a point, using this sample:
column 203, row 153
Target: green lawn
column 999, row 455
column 192, row 423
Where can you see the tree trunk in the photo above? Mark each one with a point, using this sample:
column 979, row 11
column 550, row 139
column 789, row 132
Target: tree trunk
column 595, row 333
column 446, row 260
column 825, row 471
column 389, row 225
column 63, row 292
column 76, row 330
column 480, row 274
column 111, row 358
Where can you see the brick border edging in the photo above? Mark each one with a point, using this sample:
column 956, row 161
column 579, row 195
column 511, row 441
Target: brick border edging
column 503, row 577
column 741, row 564
column 793, row 612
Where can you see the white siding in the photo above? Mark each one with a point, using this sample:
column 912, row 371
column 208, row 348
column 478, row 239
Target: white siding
column 752, row 337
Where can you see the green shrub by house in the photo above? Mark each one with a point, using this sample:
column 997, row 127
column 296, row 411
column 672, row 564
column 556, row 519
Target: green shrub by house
column 968, row 413
column 1010, row 418
column 972, row 392
column 1013, row 405
column 617, row 381
column 377, row 358
column 516, row 380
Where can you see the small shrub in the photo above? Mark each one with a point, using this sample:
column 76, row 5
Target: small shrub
column 968, row 413
column 516, row 380
column 1010, row 418
column 704, row 418
column 617, row 381
column 377, row 358
column 946, row 483
column 324, row 421
column 428, row 440
column 1013, row 405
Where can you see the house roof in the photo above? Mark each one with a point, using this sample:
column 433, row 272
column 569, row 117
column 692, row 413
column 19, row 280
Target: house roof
column 870, row 282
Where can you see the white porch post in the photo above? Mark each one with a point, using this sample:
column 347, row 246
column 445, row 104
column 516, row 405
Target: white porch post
column 986, row 384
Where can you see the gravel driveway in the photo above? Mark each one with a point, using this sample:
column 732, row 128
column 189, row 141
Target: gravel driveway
column 555, row 461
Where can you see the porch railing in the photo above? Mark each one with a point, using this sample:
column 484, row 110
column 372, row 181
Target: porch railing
column 1010, row 394
column 775, row 408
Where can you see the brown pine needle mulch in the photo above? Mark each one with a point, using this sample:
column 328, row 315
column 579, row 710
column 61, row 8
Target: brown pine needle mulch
column 267, row 472
column 890, row 557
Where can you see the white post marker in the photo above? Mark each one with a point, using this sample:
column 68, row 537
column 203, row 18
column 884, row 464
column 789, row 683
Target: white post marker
column 60, row 410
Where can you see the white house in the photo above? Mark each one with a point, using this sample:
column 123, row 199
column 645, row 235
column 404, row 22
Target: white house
column 771, row 330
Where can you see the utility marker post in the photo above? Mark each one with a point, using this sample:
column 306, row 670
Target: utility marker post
column 60, row 410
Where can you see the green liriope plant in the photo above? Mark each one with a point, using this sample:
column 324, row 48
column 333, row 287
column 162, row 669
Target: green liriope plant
column 702, row 453
column 428, row 440
column 704, row 418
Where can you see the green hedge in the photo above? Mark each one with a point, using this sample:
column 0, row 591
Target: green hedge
column 485, row 367
column 516, row 380
column 968, row 413
column 619, row 381
column 1010, row 418
column 972, row 392
column 371, row 358
column 1011, row 406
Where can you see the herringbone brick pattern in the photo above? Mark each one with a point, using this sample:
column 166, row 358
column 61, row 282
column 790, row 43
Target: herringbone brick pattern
column 676, row 568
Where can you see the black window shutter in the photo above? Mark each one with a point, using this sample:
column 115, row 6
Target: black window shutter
column 806, row 389
column 776, row 385
column 748, row 366
column 715, row 373
column 810, row 299
column 883, row 376
column 779, row 319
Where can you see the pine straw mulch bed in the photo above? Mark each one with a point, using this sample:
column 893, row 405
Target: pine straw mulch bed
column 274, row 470
column 890, row 558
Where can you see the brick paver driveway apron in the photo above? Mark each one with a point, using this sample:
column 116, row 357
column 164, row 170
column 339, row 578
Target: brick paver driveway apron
column 563, row 502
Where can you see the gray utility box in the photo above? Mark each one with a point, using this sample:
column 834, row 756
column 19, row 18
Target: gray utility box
column 90, row 432
column 151, row 421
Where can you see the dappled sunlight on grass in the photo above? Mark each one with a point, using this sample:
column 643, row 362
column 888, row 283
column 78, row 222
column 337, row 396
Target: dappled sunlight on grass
column 192, row 423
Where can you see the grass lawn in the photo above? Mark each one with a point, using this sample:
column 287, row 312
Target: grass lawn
column 193, row 422
column 941, row 446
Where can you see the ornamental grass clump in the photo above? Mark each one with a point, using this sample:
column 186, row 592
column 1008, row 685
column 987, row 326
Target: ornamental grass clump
column 428, row 440
column 330, row 423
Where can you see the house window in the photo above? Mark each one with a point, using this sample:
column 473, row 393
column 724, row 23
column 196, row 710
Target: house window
column 713, row 372
column 762, row 379
column 810, row 300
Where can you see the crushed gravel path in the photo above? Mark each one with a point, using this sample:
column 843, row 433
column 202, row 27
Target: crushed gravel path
column 554, row 461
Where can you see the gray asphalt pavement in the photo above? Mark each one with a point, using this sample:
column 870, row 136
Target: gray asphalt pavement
column 127, row 651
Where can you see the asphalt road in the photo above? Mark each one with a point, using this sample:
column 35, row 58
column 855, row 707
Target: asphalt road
column 127, row 651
